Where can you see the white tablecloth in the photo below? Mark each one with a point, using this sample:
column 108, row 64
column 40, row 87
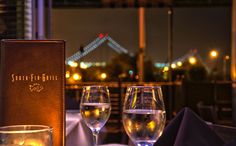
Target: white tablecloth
column 77, row 133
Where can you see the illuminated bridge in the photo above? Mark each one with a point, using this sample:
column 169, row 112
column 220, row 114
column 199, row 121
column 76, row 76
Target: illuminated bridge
column 96, row 43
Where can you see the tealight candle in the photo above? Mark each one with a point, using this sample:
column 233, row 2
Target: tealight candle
column 33, row 142
column 26, row 135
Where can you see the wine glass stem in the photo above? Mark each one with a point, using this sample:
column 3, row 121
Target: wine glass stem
column 95, row 138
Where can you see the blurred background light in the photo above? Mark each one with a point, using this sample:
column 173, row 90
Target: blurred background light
column 192, row 60
column 77, row 76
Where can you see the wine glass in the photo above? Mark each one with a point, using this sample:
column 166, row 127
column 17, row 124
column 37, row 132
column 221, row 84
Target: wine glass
column 26, row 135
column 95, row 108
column 144, row 114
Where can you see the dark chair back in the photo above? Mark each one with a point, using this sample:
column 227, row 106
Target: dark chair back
column 207, row 112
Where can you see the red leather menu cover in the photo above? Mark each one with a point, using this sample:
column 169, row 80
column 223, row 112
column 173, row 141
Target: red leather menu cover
column 32, row 84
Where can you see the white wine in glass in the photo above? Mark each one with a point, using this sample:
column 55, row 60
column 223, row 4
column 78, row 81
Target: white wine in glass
column 95, row 114
column 95, row 108
column 144, row 114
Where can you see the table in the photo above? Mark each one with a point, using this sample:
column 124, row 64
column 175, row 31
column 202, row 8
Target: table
column 77, row 133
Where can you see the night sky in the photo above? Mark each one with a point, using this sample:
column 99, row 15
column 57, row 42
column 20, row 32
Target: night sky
column 194, row 28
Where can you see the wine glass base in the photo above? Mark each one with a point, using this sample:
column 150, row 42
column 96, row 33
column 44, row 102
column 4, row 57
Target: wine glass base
column 144, row 144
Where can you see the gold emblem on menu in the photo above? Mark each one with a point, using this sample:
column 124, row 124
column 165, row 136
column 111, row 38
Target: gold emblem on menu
column 35, row 87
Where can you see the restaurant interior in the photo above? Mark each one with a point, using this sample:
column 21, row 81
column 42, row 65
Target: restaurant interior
column 118, row 72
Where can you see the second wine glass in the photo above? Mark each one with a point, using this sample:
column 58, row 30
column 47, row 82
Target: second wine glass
column 95, row 108
column 144, row 114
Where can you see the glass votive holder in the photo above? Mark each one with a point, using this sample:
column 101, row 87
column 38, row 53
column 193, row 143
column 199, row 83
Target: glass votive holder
column 26, row 135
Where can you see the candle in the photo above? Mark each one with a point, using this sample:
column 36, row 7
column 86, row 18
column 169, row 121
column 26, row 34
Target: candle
column 33, row 142
column 25, row 135
column 28, row 142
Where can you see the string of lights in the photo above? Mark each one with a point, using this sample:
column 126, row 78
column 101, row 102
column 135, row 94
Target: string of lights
column 95, row 44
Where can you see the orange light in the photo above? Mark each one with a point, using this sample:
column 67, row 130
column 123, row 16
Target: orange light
column 33, row 142
column 103, row 76
column 67, row 74
column 227, row 57
column 77, row 77
column 179, row 63
column 173, row 66
column 166, row 68
column 213, row 54
column 192, row 60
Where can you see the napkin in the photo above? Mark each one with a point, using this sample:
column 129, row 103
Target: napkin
column 187, row 129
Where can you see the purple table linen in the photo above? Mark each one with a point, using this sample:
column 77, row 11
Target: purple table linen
column 187, row 129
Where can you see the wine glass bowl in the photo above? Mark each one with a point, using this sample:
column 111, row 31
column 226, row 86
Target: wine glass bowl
column 95, row 108
column 95, row 115
column 144, row 114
